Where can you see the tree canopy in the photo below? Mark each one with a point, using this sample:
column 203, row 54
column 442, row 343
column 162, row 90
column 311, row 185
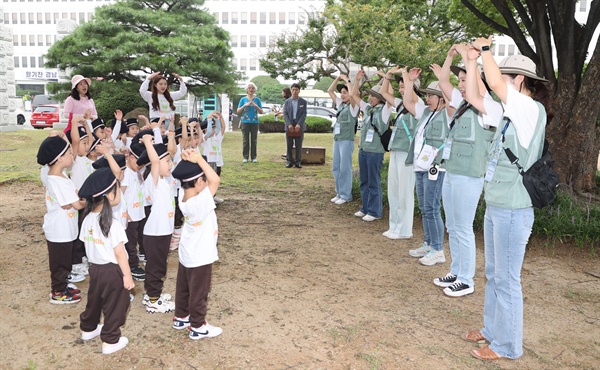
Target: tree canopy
column 131, row 38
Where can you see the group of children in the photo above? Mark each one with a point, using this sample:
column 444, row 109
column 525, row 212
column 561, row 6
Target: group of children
column 148, row 187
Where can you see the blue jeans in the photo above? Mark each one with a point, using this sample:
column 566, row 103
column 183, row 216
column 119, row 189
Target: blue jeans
column 369, row 165
column 342, row 168
column 506, row 233
column 460, row 195
column 429, row 194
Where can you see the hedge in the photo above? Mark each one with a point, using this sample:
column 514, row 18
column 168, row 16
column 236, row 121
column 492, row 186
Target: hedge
column 267, row 123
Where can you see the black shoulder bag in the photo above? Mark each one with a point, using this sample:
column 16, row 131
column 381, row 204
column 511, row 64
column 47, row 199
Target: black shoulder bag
column 385, row 137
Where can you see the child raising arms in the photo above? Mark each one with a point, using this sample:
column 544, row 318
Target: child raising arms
column 110, row 277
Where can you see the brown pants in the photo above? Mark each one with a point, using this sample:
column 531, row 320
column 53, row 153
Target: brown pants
column 191, row 293
column 133, row 233
column 78, row 248
column 107, row 296
column 59, row 259
column 178, row 214
column 157, row 250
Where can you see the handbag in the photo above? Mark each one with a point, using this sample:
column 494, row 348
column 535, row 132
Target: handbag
column 295, row 131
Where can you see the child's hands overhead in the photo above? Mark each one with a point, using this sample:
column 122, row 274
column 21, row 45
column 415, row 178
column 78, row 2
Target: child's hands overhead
column 118, row 115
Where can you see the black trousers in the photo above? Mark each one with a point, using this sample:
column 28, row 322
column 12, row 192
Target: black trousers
column 191, row 294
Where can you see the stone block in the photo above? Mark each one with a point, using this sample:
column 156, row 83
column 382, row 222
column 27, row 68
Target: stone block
column 3, row 84
column 10, row 63
column 11, row 91
column 4, row 99
column 10, row 76
column 4, row 65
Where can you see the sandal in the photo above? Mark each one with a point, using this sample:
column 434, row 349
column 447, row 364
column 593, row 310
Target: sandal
column 485, row 354
column 474, row 336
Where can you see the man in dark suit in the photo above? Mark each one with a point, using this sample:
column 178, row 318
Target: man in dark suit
column 294, row 113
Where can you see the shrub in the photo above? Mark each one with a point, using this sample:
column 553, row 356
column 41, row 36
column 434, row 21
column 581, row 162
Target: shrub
column 110, row 96
column 267, row 123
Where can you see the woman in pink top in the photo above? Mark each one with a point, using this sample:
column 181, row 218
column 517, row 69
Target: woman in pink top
column 80, row 101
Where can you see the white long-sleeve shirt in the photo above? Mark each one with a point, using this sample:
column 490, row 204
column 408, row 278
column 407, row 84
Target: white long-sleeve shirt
column 163, row 103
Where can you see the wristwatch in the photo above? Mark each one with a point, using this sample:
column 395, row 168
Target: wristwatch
column 485, row 48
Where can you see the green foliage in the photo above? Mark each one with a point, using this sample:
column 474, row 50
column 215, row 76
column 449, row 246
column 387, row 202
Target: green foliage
column 131, row 37
column 263, row 80
column 110, row 96
column 323, row 84
column 268, row 89
column 267, row 123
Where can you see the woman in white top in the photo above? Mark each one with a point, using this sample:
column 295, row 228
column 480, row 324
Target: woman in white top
column 159, row 98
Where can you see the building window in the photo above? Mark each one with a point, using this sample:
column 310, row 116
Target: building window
column 234, row 18
column 292, row 18
column 301, row 18
column 48, row 18
column 244, row 18
column 263, row 41
column 281, row 18
column 582, row 5
column 24, row 62
column 74, row 17
column 15, row 40
column 234, row 62
column 272, row 40
column 253, row 41
column 501, row 50
column 48, row 40
column 253, row 18
column 263, row 18
column 90, row 17
column 272, row 18
column 16, row 61
column 234, row 41
column 253, row 64
column 41, row 62
column 23, row 40
column 40, row 19
column 244, row 41
column 511, row 50
column 32, row 61
column 31, row 18
column 23, row 18
column 6, row 18
column 15, row 18
column 31, row 40
column 55, row 18
column 81, row 18
column 40, row 40
column 216, row 15
column 225, row 18
column 243, row 64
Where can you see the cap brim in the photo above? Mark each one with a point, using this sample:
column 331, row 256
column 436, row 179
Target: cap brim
column 431, row 91
column 376, row 94
column 456, row 70
column 519, row 71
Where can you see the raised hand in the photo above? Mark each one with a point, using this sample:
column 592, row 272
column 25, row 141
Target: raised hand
column 118, row 115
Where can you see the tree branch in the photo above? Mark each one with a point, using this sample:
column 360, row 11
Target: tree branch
column 484, row 18
column 523, row 14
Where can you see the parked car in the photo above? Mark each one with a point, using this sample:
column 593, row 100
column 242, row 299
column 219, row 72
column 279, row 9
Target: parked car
column 45, row 116
column 20, row 117
column 323, row 112
column 42, row 100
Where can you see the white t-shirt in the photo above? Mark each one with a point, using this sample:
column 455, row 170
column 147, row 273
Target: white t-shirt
column 386, row 111
column 100, row 249
column 162, row 217
column 82, row 168
column 523, row 112
column 120, row 211
column 199, row 234
column 493, row 109
column 44, row 174
column 147, row 193
column 215, row 153
column 205, row 145
column 60, row 225
column 134, row 194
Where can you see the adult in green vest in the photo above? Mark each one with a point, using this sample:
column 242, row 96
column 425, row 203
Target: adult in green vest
column 401, row 176
column 429, row 138
column 509, row 212
column 343, row 138
column 465, row 151
column 370, row 155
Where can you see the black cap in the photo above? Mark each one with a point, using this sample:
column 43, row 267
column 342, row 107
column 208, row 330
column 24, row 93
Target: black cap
column 82, row 134
column 51, row 149
column 138, row 137
column 155, row 119
column 340, row 87
column 124, row 128
column 94, row 143
column 98, row 183
column 97, row 123
column 103, row 162
column 137, row 149
column 161, row 150
column 193, row 119
column 204, row 125
column 131, row 122
column 187, row 171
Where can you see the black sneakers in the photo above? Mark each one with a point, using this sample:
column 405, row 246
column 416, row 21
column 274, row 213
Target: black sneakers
column 445, row 281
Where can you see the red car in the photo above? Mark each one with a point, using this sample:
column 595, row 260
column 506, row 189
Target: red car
column 45, row 116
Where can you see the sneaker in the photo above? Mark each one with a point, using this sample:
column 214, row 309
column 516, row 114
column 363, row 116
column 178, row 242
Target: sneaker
column 341, row 201
column 64, row 297
column 458, row 289
column 254, row 160
column 244, row 160
column 87, row 335
column 164, row 296
column 392, row 235
column 160, row 306
column 445, row 281
column 369, row 218
column 142, row 258
column 75, row 278
column 432, row 258
column 359, row 214
column 80, row 269
column 218, row 200
column 420, row 252
column 72, row 288
column 138, row 274
column 107, row 349
column 181, row 322
column 205, row 331
column 335, row 199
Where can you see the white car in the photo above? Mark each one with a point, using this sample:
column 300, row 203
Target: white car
column 20, row 117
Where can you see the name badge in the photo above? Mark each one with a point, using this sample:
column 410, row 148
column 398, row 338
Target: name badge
column 447, row 149
column 489, row 174
column 336, row 129
column 369, row 137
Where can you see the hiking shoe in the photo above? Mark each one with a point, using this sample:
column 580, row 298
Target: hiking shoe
column 335, row 199
column 64, row 297
column 420, row 252
column 205, row 331
column 432, row 258
column 107, row 349
column 458, row 289
column 87, row 335
column 138, row 274
column 445, row 281
column 142, row 258
column 359, row 214
column 75, row 278
column 181, row 322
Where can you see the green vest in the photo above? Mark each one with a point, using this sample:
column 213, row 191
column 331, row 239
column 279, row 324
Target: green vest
column 401, row 141
column 506, row 190
column 375, row 145
column 470, row 145
column 347, row 123
column 436, row 130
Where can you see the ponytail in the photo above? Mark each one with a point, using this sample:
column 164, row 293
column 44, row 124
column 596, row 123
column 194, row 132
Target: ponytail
column 540, row 93
column 105, row 218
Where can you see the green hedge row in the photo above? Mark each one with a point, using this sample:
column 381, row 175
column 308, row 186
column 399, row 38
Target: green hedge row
column 267, row 123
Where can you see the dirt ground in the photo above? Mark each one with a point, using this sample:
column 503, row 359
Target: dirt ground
column 301, row 284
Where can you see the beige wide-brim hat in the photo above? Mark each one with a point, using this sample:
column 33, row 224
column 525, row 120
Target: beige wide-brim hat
column 433, row 88
column 461, row 67
column 519, row 65
column 375, row 92
column 77, row 79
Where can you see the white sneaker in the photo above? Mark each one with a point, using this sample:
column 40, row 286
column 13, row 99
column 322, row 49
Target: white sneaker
column 160, row 306
column 80, row 269
column 370, row 218
column 181, row 322
column 432, row 258
column 254, row 160
column 244, row 160
column 445, row 281
column 419, row 252
column 458, row 289
column 75, row 278
column 359, row 214
column 341, row 201
column 392, row 235
column 87, row 335
column 107, row 349
column 205, row 331
column 164, row 296
column 335, row 199
column 218, row 200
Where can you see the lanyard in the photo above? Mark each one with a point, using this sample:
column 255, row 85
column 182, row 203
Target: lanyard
column 496, row 152
column 459, row 112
